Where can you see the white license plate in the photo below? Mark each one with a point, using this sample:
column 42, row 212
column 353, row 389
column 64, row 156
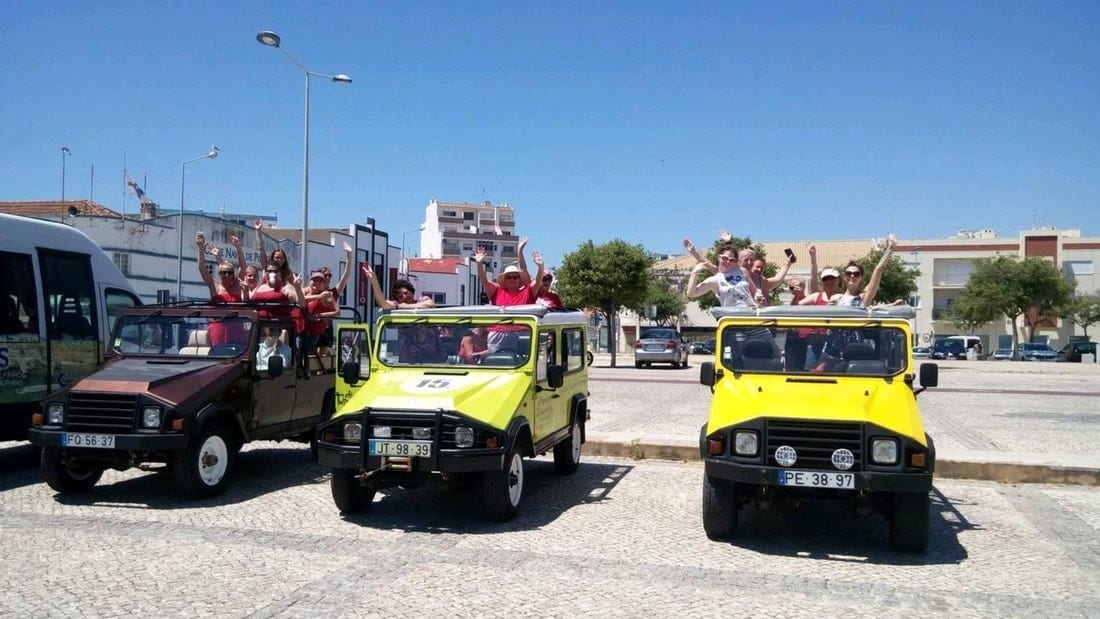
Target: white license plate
column 654, row 348
column 817, row 479
column 98, row 441
column 416, row 449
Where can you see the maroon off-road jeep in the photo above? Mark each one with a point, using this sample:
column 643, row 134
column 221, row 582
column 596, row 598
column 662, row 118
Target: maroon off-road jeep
column 186, row 386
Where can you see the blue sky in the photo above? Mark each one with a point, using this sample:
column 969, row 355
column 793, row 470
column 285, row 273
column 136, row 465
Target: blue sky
column 645, row 121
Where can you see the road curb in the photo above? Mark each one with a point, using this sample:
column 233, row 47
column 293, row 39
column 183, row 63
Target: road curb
column 984, row 470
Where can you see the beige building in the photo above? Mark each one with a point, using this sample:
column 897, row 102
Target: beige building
column 457, row 229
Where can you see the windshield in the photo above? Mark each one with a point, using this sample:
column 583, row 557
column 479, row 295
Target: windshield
column 862, row 351
column 659, row 334
column 458, row 342
column 182, row 336
column 1042, row 347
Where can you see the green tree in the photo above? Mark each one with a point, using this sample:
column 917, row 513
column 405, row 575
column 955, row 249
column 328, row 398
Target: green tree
column 607, row 277
column 1009, row 287
column 666, row 298
column 1084, row 311
column 897, row 282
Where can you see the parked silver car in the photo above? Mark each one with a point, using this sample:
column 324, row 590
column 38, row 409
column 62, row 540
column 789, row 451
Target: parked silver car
column 660, row 345
column 1037, row 352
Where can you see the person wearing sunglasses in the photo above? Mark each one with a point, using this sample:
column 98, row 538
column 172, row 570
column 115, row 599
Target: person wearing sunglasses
column 853, row 295
column 228, row 287
column 513, row 287
column 545, row 296
column 731, row 284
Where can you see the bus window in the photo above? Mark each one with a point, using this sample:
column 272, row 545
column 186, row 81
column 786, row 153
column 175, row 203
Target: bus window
column 18, row 296
column 69, row 292
column 117, row 300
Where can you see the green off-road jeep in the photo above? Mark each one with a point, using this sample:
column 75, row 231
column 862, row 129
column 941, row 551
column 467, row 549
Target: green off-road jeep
column 410, row 408
column 816, row 402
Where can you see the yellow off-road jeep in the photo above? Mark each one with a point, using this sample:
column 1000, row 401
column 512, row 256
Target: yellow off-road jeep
column 410, row 408
column 815, row 402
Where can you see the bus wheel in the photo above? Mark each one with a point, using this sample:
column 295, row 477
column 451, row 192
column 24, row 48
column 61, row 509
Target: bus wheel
column 66, row 479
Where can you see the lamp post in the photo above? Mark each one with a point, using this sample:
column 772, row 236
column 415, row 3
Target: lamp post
column 402, row 264
column 183, row 178
column 273, row 40
column 65, row 152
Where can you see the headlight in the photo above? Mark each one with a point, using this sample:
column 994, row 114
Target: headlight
column 55, row 413
column 884, row 451
column 745, row 443
column 150, row 417
column 353, row 432
column 464, row 436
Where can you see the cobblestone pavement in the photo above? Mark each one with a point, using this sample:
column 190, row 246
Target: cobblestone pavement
column 619, row 538
column 1012, row 407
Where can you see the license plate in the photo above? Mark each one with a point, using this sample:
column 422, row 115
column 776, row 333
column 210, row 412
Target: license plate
column 97, row 441
column 654, row 348
column 817, row 479
column 416, row 449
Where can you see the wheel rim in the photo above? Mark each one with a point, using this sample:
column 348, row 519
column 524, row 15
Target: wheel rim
column 515, row 479
column 81, row 474
column 212, row 460
column 576, row 438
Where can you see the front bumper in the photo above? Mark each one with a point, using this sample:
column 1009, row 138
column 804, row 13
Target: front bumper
column 123, row 442
column 445, row 458
column 865, row 481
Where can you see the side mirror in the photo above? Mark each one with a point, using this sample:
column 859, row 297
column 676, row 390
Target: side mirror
column 349, row 372
column 706, row 373
column 929, row 374
column 555, row 376
column 275, row 366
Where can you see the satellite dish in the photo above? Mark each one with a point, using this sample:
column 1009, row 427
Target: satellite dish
column 72, row 211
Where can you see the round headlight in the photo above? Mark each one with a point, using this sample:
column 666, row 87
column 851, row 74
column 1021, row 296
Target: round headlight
column 785, row 455
column 745, row 443
column 884, row 451
column 353, row 432
column 55, row 413
column 464, row 436
column 150, row 417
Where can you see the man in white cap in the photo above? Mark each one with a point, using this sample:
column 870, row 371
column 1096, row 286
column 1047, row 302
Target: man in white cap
column 513, row 287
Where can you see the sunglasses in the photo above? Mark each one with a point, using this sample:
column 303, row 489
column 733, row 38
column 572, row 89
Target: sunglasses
column 852, row 274
column 225, row 272
column 513, row 276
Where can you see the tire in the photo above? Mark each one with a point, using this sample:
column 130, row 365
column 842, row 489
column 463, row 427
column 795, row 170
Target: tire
column 567, row 453
column 909, row 521
column 503, row 490
column 637, row 365
column 591, row 357
column 202, row 469
column 719, row 508
column 65, row 479
column 348, row 494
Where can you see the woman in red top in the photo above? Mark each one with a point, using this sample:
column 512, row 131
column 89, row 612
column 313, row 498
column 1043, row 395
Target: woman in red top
column 322, row 309
column 228, row 289
column 513, row 287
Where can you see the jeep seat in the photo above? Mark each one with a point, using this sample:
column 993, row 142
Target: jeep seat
column 759, row 355
column 198, row 344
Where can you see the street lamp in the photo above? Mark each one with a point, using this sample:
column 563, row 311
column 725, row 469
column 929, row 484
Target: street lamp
column 183, row 178
column 273, row 40
column 65, row 152
column 402, row 264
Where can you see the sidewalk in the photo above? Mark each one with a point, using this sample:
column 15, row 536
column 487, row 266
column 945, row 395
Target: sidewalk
column 1011, row 422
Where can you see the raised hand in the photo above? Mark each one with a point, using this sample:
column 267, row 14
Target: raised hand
column 200, row 240
column 480, row 254
column 347, row 247
column 235, row 240
column 688, row 245
column 724, row 235
column 522, row 243
column 812, row 249
column 536, row 257
column 258, row 224
column 367, row 272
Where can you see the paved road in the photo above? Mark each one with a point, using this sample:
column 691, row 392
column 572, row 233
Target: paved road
column 620, row 538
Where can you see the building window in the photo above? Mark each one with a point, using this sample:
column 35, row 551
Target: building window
column 1078, row 267
column 468, row 216
column 450, row 214
column 440, row 298
column 122, row 261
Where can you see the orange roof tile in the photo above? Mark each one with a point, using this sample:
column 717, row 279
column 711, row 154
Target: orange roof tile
column 447, row 266
column 57, row 208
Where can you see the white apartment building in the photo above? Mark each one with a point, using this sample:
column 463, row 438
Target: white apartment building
column 456, row 229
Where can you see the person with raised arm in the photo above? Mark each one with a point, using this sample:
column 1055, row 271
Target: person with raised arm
column 403, row 296
column 228, row 288
column 852, row 295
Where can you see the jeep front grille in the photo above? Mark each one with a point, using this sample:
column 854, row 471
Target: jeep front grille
column 402, row 424
column 815, row 442
column 111, row 413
